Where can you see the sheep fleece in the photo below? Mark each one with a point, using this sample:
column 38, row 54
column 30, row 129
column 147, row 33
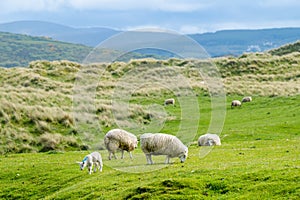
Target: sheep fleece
column 162, row 144
column 120, row 139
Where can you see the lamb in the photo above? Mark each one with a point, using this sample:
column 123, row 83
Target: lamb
column 169, row 101
column 118, row 139
column 163, row 144
column 247, row 99
column 236, row 103
column 209, row 140
column 90, row 160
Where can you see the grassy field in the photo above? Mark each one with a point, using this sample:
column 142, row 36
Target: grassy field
column 41, row 138
column 258, row 159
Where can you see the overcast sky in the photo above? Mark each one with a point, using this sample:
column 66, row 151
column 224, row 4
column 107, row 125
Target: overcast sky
column 185, row 16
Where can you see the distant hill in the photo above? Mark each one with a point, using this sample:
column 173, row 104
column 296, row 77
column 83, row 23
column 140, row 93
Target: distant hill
column 19, row 50
column 220, row 43
column 237, row 42
column 85, row 36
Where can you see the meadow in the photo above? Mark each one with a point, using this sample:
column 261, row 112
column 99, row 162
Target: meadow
column 259, row 157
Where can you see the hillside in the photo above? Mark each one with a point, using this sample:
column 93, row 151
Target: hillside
column 36, row 102
column 87, row 36
column 219, row 43
column 19, row 50
column 258, row 158
column 286, row 49
column 237, row 42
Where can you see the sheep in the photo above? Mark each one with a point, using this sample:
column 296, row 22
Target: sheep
column 118, row 139
column 163, row 144
column 247, row 99
column 169, row 101
column 236, row 103
column 90, row 160
column 209, row 140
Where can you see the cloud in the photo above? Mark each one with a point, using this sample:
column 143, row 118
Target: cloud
column 30, row 5
column 121, row 5
column 154, row 5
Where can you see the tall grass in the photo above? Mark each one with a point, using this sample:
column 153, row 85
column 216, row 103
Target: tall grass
column 38, row 100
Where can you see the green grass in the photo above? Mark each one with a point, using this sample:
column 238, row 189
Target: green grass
column 258, row 159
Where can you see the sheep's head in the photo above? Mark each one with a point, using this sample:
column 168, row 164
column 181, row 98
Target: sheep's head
column 83, row 163
column 183, row 156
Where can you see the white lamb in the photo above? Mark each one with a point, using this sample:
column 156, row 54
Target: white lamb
column 118, row 139
column 236, row 103
column 209, row 140
column 90, row 160
column 163, row 144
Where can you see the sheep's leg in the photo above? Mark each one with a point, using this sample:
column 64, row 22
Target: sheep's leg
column 100, row 167
column 96, row 166
column 167, row 160
column 114, row 155
column 149, row 159
column 90, row 168
column 130, row 154
column 122, row 151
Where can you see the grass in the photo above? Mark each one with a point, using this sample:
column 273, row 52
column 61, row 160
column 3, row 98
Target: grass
column 39, row 99
column 258, row 159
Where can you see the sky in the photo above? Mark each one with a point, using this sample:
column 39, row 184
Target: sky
column 185, row 16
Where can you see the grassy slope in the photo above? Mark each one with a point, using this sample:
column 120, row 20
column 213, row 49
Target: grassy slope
column 259, row 156
column 19, row 50
column 258, row 159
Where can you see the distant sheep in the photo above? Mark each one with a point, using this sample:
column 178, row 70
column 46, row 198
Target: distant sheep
column 90, row 160
column 247, row 99
column 209, row 140
column 118, row 139
column 163, row 144
column 236, row 103
column 169, row 102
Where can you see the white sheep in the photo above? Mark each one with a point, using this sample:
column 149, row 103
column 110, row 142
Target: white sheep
column 118, row 139
column 247, row 99
column 209, row 140
column 169, row 102
column 90, row 160
column 236, row 103
column 163, row 144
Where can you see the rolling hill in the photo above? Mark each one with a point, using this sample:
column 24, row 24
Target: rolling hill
column 85, row 36
column 19, row 50
column 258, row 158
column 220, row 43
column 36, row 102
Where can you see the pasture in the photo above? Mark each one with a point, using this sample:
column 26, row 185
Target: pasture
column 258, row 159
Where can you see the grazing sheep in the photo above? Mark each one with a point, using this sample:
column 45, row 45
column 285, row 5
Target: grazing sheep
column 169, row 101
column 118, row 139
column 90, row 160
column 209, row 140
column 163, row 144
column 247, row 99
column 236, row 103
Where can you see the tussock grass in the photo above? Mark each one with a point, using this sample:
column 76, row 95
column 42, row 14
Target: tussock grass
column 38, row 100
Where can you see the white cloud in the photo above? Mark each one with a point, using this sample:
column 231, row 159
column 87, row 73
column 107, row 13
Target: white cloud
column 118, row 5
column 30, row 5
column 189, row 29
column 279, row 3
